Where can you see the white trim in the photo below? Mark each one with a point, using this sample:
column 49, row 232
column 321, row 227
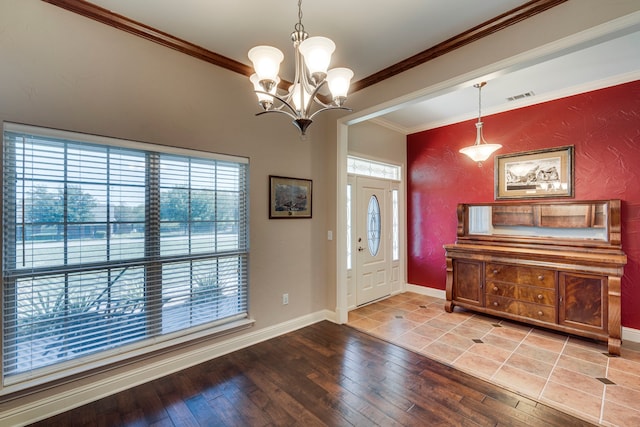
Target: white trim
column 27, row 413
column 630, row 334
column 423, row 290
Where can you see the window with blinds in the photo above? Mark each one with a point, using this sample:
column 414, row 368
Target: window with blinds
column 111, row 246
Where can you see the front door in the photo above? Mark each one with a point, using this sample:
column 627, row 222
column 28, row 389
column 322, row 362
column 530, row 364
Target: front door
column 372, row 225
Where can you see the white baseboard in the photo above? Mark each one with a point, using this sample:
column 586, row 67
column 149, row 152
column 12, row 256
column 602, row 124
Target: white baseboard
column 19, row 414
column 423, row 290
column 628, row 334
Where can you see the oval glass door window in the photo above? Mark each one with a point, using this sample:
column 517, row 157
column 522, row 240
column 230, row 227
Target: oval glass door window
column 373, row 225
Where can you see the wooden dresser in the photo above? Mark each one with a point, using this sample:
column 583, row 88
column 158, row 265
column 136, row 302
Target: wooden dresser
column 551, row 264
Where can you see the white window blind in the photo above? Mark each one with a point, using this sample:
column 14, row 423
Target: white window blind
column 110, row 245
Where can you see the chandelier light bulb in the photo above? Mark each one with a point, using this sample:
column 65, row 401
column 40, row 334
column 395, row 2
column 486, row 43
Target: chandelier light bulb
column 266, row 62
column 339, row 80
column 317, row 52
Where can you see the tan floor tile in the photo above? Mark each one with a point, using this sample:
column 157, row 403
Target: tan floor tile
column 440, row 323
column 631, row 351
column 623, row 396
column 477, row 365
column 587, row 368
column 457, row 316
column 509, row 333
column 513, row 355
column 550, row 343
column 498, row 341
column 537, row 353
column 587, row 343
column 625, row 365
column 394, row 328
column 407, row 306
column 382, row 316
column 624, row 378
column 530, row 365
column 414, row 341
column 491, row 352
column 354, row 315
column 577, row 380
column 519, row 380
column 478, row 325
column 364, row 311
column 575, row 400
column 526, row 329
column 443, row 352
column 467, row 331
column 456, row 340
column 589, row 355
column 420, row 315
column 429, row 331
column 365, row 324
column 616, row 415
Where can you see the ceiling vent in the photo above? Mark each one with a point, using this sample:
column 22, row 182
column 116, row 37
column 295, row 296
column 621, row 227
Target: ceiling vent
column 521, row 96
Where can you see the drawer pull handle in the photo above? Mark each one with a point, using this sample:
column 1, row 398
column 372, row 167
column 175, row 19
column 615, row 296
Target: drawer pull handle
column 495, row 271
column 541, row 277
column 495, row 303
column 540, row 313
column 495, row 289
column 540, row 297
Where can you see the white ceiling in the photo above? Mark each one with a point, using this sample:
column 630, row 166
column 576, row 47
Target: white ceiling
column 371, row 35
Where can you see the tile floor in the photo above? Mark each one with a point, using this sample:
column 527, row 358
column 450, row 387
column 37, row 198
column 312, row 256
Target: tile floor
column 566, row 372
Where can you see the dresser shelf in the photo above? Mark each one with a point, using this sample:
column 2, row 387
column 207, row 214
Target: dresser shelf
column 556, row 265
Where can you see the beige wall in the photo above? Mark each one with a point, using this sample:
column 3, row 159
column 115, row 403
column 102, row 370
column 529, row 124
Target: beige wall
column 64, row 71
column 373, row 141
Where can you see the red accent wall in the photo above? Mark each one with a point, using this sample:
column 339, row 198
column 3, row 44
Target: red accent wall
column 604, row 127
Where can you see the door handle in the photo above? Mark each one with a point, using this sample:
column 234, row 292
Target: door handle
column 360, row 249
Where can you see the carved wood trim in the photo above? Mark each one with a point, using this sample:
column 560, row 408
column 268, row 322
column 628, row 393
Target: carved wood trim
column 123, row 23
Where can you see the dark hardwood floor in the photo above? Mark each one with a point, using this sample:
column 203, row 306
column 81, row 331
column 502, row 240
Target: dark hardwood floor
column 321, row 375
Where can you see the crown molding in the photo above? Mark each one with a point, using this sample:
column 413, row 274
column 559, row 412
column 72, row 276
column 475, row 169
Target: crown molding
column 139, row 29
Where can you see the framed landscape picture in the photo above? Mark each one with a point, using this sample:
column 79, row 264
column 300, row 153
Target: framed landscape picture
column 289, row 197
column 531, row 174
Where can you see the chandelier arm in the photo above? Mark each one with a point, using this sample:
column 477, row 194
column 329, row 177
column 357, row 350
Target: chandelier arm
column 331, row 107
column 278, row 111
column 284, row 101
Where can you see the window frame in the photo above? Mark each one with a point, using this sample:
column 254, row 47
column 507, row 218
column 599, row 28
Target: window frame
column 152, row 342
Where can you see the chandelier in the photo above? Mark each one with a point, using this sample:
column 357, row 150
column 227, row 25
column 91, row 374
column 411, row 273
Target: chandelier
column 480, row 150
column 304, row 99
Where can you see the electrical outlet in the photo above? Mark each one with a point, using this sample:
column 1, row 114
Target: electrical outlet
column 285, row 299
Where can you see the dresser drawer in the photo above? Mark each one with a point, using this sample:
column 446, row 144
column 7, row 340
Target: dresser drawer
column 539, row 312
column 501, row 289
column 499, row 303
column 544, row 296
column 521, row 275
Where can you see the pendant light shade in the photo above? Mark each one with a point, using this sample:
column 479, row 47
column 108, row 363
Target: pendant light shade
column 480, row 150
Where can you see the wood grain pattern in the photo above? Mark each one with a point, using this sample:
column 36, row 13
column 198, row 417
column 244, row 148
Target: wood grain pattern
column 321, row 375
column 569, row 284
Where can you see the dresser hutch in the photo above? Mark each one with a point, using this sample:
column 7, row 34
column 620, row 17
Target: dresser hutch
column 556, row 265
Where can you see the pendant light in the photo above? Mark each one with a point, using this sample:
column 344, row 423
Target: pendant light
column 480, row 150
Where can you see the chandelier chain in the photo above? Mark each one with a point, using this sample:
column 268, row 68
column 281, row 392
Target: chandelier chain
column 299, row 27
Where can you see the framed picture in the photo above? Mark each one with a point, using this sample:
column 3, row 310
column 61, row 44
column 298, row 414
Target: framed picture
column 289, row 197
column 539, row 173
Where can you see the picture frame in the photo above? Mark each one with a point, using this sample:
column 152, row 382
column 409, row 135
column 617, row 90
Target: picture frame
column 541, row 173
column 290, row 197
